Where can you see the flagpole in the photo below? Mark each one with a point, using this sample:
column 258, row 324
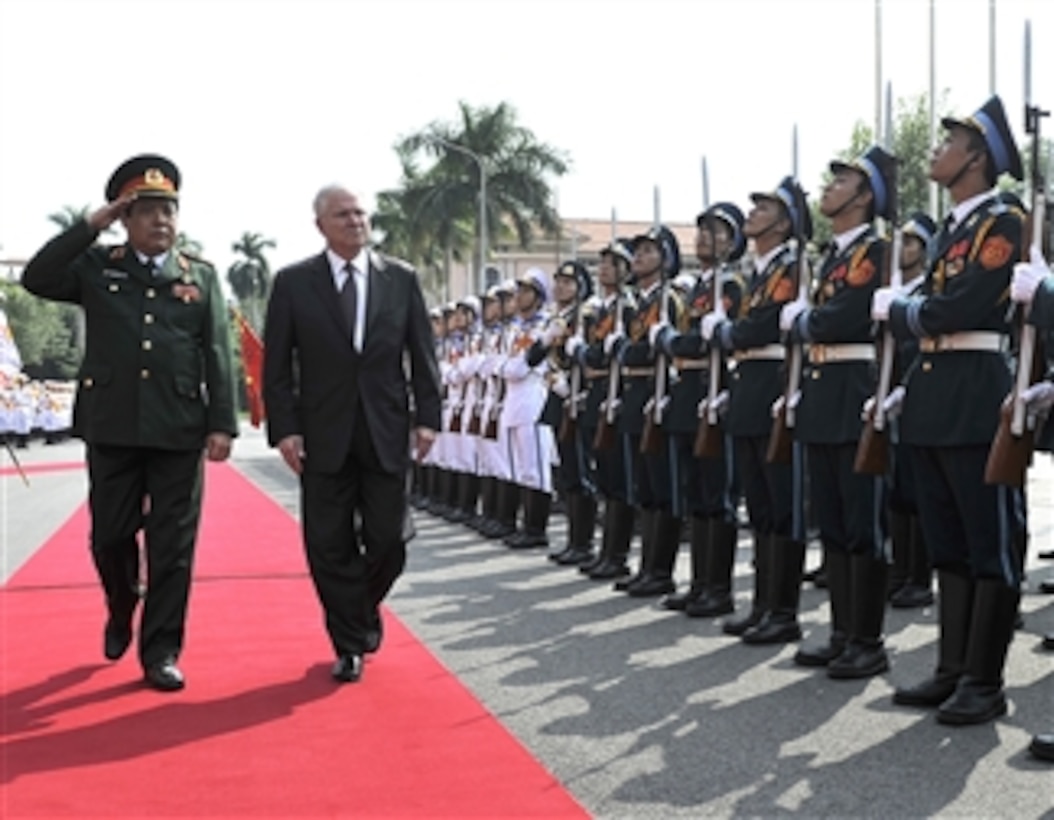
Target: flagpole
column 878, row 71
column 991, row 47
column 934, row 192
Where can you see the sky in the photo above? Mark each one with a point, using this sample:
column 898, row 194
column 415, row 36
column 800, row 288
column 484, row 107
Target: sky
column 262, row 102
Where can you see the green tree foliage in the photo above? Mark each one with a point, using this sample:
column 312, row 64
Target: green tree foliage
column 432, row 216
column 250, row 276
column 189, row 245
column 45, row 332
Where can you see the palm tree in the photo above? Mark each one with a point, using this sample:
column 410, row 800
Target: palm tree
column 188, row 245
column 69, row 216
column 250, row 277
column 444, row 199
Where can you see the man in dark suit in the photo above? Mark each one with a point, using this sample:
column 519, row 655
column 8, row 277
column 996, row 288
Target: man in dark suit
column 347, row 344
column 155, row 389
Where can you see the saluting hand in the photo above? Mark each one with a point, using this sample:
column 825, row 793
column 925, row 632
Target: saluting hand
column 105, row 216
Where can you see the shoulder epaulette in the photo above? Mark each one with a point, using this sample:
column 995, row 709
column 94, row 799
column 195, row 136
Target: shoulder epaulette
column 183, row 259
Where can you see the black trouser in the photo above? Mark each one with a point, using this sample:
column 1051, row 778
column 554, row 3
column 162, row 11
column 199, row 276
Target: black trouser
column 705, row 481
column 352, row 579
column 158, row 491
column 575, row 472
column 850, row 508
column 969, row 526
column 768, row 488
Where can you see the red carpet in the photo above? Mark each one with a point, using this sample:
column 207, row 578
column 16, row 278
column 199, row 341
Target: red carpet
column 261, row 729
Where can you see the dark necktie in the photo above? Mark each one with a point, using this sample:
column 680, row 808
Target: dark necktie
column 349, row 301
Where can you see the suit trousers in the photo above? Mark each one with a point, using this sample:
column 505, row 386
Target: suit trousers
column 158, row 491
column 352, row 575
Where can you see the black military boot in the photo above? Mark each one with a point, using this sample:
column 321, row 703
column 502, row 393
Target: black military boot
column 416, row 485
column 536, row 507
column 865, row 654
column 647, row 521
column 979, row 696
column 601, row 554
column 955, row 608
column 452, row 509
column 699, row 541
column 585, row 524
column 437, row 504
column 763, row 545
column 572, row 528
column 720, row 561
column 658, row 580
column 839, row 584
column 486, row 504
column 900, row 545
column 780, row 623
column 508, row 495
column 618, row 533
column 467, row 499
column 917, row 590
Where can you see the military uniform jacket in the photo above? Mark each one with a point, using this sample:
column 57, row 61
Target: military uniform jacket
column 691, row 353
column 157, row 369
column 954, row 397
column 1042, row 317
column 603, row 323
column 639, row 359
column 757, row 383
column 833, row 393
column 525, row 387
column 558, row 362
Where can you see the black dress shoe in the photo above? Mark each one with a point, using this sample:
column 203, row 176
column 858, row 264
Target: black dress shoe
column 1047, row 555
column 972, row 702
column 116, row 638
column 375, row 634
column 910, row 596
column 165, row 676
column 1048, row 640
column 931, row 692
column 348, row 668
column 1042, row 746
column 821, row 655
column 859, row 660
column 1047, row 587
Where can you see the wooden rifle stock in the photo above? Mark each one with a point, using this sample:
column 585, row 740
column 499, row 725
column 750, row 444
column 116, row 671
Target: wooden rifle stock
column 1011, row 451
column 709, row 435
column 781, row 439
column 781, row 436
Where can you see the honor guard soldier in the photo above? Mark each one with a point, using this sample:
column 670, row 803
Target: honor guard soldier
column 572, row 290
column 1033, row 284
column 465, row 449
column 156, row 389
column 772, row 488
column 840, row 376
column 910, row 575
column 446, row 484
column 530, row 441
column 951, row 411
column 707, row 479
column 645, row 381
column 614, row 306
column 427, row 496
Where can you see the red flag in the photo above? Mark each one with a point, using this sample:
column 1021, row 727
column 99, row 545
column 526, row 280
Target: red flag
column 252, row 362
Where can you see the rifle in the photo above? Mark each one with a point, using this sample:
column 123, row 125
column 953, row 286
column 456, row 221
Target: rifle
column 605, row 435
column 872, row 451
column 475, row 421
column 455, row 412
column 14, row 460
column 781, row 437
column 709, row 437
column 651, row 436
column 573, row 403
column 490, row 431
column 1011, row 450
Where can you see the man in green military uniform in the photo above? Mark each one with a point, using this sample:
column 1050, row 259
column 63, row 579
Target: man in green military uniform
column 155, row 390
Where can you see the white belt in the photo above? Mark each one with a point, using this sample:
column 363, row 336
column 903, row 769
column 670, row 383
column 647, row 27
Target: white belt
column 638, row 372
column 856, row 352
column 590, row 373
column 692, row 364
column 768, row 352
column 979, row 341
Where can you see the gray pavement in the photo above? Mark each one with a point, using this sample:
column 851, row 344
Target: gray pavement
column 644, row 713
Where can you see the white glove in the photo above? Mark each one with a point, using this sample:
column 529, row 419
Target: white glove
column 572, row 345
column 721, row 403
column 560, row 385
column 791, row 311
column 1039, row 398
column 880, row 302
column 891, row 407
column 553, row 330
column 655, row 331
column 611, row 341
column 794, row 401
column 1027, row 276
column 708, row 324
column 777, row 406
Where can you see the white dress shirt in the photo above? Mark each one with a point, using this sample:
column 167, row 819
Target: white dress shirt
column 360, row 266
column 157, row 262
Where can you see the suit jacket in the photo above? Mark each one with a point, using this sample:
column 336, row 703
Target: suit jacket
column 315, row 382
column 157, row 369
